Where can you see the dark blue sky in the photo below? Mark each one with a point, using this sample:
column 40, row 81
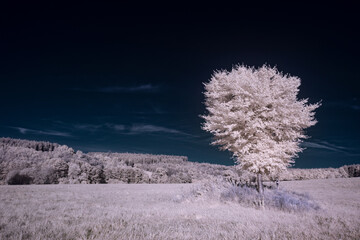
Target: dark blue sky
column 128, row 78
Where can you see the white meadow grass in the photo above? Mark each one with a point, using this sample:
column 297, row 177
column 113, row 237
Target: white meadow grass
column 150, row 212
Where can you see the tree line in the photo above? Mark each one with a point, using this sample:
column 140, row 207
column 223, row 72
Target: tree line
column 34, row 162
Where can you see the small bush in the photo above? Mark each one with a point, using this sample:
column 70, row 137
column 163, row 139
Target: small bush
column 208, row 190
column 289, row 201
column 220, row 190
column 246, row 196
column 16, row 178
column 274, row 199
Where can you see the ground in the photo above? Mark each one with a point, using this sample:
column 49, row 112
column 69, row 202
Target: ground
column 152, row 211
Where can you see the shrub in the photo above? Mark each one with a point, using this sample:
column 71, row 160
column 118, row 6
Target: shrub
column 61, row 168
column 44, row 175
column 220, row 190
column 352, row 170
column 274, row 199
column 16, row 178
column 246, row 196
column 289, row 201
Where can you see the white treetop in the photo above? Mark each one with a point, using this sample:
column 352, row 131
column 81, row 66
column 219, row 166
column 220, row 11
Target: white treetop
column 255, row 114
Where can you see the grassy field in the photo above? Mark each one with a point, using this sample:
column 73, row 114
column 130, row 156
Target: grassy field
column 152, row 212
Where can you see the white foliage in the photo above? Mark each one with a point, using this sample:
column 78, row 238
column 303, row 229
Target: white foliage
column 256, row 115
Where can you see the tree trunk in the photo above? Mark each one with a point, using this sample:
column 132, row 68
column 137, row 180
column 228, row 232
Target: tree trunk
column 260, row 189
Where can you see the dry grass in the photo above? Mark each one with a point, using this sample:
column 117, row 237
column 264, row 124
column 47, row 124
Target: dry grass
column 149, row 212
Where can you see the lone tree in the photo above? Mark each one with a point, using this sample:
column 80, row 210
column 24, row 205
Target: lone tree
column 255, row 114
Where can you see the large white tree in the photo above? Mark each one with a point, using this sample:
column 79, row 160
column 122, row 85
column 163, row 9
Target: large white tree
column 256, row 115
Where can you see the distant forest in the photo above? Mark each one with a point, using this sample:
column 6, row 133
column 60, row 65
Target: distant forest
column 34, row 162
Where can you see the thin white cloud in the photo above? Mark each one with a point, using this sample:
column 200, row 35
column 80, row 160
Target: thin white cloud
column 41, row 132
column 118, row 127
column 324, row 145
column 130, row 129
column 140, row 88
column 356, row 107
column 347, row 104
column 120, row 89
column 96, row 127
column 147, row 128
column 134, row 129
column 87, row 127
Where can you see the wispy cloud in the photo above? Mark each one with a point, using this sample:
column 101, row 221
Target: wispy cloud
column 324, row 145
column 141, row 88
column 41, row 132
column 96, row 127
column 348, row 151
column 147, row 128
column 117, row 127
column 353, row 104
column 87, row 127
column 151, row 110
column 121, row 89
column 356, row 107
column 127, row 129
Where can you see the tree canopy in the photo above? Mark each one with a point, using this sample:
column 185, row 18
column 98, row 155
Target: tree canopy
column 256, row 115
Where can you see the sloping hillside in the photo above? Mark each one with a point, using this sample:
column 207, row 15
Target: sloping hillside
column 33, row 162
